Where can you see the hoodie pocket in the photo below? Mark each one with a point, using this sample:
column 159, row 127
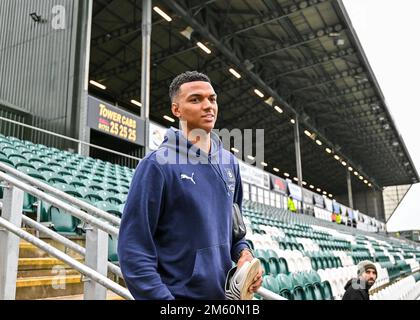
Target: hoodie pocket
column 210, row 269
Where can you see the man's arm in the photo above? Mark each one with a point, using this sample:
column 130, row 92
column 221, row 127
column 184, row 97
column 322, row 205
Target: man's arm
column 241, row 251
column 240, row 245
column 136, row 248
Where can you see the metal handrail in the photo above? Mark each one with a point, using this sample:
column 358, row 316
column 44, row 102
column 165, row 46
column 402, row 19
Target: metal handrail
column 66, row 242
column 95, row 276
column 83, row 269
column 39, row 184
column 68, row 138
column 269, row 295
column 92, row 220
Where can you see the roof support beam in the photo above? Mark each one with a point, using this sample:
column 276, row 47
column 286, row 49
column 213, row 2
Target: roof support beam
column 337, row 55
column 333, row 78
column 275, row 17
column 233, row 58
column 289, row 44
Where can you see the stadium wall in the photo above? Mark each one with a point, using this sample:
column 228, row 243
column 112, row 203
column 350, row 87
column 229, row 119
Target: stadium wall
column 41, row 65
column 365, row 202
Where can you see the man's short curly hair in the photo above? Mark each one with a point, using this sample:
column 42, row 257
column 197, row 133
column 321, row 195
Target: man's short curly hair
column 188, row 76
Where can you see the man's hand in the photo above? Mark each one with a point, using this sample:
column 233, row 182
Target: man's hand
column 247, row 256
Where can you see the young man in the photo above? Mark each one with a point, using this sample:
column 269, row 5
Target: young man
column 175, row 239
column 358, row 289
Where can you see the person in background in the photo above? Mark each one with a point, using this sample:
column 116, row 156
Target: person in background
column 358, row 288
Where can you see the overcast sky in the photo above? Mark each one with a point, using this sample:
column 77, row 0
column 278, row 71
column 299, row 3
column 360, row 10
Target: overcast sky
column 388, row 31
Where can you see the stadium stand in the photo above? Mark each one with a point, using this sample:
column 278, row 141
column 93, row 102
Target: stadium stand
column 312, row 74
column 307, row 258
column 304, row 257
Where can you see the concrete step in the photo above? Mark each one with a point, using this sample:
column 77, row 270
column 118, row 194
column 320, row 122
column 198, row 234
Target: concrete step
column 110, row 296
column 28, row 250
column 37, row 267
column 28, row 288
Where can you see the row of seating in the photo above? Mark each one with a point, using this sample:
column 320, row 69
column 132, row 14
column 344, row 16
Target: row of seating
column 102, row 184
column 299, row 286
column 303, row 257
column 404, row 289
column 305, row 254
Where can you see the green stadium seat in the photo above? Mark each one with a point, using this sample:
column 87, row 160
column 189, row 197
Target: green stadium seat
column 71, row 167
column 63, row 222
column 122, row 189
column 83, row 191
column 92, row 196
column 56, row 166
column 121, row 208
column 31, row 172
column 299, row 293
column 251, row 244
column 273, row 266
column 6, row 160
column 117, row 198
column 313, row 277
column 65, row 173
column 109, row 207
column 28, row 154
column 285, row 286
column 20, row 162
column 13, row 153
column 318, row 293
column 95, row 186
column 13, row 139
column 69, row 189
column 326, row 291
column 45, row 168
column 99, row 174
column 112, row 249
column 81, row 176
column 111, row 188
column 56, row 178
column 271, row 283
column 36, row 162
column 264, row 258
column 85, row 171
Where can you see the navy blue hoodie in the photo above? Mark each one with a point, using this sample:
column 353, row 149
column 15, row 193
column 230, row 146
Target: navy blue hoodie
column 175, row 238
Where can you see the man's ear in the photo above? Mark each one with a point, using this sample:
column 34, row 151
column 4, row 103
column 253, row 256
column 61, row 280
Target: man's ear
column 175, row 110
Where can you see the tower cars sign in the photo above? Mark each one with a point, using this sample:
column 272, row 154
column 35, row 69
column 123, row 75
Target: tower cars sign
column 116, row 122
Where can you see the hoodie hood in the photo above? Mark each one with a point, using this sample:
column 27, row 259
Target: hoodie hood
column 348, row 284
column 176, row 149
column 357, row 284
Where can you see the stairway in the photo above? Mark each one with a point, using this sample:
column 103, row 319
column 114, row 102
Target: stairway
column 41, row 276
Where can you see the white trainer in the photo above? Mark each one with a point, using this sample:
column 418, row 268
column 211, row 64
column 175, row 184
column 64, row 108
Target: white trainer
column 239, row 280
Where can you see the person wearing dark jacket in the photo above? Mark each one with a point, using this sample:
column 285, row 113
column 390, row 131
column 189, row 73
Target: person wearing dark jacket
column 175, row 239
column 358, row 288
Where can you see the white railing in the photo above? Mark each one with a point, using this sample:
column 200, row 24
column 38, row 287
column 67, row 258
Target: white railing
column 97, row 230
column 79, row 142
column 96, row 252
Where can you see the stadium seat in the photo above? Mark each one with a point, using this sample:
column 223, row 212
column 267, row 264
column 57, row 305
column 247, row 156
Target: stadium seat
column 117, row 198
column 109, row 207
column 285, row 286
column 63, row 222
column 270, row 283
column 326, row 291
column 112, row 249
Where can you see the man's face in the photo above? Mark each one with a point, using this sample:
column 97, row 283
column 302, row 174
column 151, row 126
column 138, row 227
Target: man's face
column 196, row 105
column 369, row 276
